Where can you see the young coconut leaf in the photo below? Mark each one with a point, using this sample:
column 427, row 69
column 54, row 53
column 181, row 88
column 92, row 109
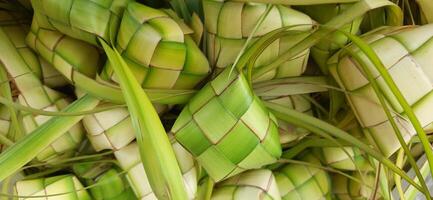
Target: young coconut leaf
column 155, row 150
column 129, row 160
column 327, row 47
column 104, row 182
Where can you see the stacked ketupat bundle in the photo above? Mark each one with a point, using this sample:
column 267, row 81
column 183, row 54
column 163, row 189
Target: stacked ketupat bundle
column 129, row 160
column 225, row 128
column 19, row 61
column 80, row 62
column 405, row 52
column 229, row 24
column 257, row 184
column 300, row 181
column 66, row 187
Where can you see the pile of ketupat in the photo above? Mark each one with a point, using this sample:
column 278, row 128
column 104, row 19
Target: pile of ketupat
column 216, row 99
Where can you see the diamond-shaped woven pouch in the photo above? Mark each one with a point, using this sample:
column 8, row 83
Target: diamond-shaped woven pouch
column 171, row 58
column 406, row 53
column 227, row 128
column 76, row 60
column 81, row 19
column 229, row 24
column 256, row 184
column 299, row 182
column 66, row 187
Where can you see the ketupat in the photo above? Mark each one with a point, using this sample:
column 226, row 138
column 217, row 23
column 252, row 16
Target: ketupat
column 224, row 112
column 300, row 181
column 345, row 158
column 405, row 52
column 80, row 62
column 165, row 36
column 81, row 19
column 229, row 24
column 256, row 184
column 66, row 187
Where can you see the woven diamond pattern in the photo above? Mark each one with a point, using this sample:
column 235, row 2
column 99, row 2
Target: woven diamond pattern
column 171, row 59
column 226, row 127
column 111, row 129
column 257, row 184
column 67, row 187
column 299, row 182
column 228, row 25
column 73, row 58
column 408, row 64
column 81, row 19
column 337, row 158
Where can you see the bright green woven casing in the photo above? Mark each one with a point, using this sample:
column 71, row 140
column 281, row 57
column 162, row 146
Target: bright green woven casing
column 170, row 58
column 67, row 186
column 81, row 19
column 337, row 158
column 406, row 52
column 299, row 182
column 18, row 61
column 346, row 189
column 227, row 128
column 256, row 184
column 322, row 14
column 71, row 57
column 129, row 160
column 290, row 134
column 111, row 185
column 229, row 24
